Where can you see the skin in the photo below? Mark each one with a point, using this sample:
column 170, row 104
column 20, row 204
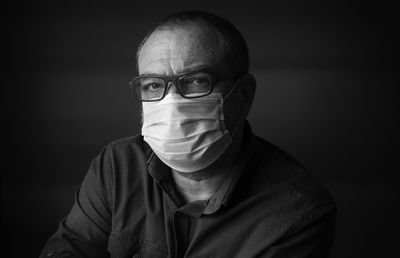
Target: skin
column 186, row 48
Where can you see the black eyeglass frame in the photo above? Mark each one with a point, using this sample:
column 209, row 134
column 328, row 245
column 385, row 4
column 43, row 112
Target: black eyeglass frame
column 175, row 79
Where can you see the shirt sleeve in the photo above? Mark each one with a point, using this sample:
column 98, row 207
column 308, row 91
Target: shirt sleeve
column 311, row 236
column 84, row 231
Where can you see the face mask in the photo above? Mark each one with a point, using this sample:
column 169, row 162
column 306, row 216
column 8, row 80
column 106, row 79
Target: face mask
column 186, row 134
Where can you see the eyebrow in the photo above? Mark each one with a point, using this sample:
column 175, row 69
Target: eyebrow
column 186, row 70
column 196, row 68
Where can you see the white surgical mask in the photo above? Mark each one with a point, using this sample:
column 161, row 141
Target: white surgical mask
column 186, row 134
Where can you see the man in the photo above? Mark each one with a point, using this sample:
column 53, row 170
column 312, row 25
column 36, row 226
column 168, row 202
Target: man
column 196, row 182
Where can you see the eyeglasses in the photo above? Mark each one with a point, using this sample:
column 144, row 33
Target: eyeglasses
column 194, row 84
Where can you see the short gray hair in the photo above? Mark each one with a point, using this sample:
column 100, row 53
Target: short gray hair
column 235, row 54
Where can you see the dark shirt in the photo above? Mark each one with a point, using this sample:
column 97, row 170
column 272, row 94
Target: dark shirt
column 128, row 206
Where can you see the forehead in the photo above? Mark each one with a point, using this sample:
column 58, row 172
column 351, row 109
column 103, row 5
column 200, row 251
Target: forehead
column 179, row 49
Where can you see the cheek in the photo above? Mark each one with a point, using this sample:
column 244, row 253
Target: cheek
column 141, row 115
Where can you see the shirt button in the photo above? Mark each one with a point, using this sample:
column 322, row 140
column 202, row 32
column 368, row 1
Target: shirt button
column 50, row 252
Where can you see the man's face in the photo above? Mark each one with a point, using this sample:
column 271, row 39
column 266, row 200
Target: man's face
column 184, row 49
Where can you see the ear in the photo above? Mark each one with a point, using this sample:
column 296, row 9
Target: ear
column 248, row 90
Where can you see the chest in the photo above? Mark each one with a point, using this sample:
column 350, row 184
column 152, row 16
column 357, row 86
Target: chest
column 159, row 230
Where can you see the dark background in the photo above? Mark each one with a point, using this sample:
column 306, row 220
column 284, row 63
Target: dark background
column 327, row 78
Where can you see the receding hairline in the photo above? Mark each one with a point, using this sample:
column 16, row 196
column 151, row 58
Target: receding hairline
column 231, row 46
column 214, row 41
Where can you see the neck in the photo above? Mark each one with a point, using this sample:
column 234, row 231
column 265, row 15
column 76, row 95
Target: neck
column 203, row 184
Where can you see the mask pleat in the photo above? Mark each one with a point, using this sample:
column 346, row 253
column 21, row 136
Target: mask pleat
column 186, row 134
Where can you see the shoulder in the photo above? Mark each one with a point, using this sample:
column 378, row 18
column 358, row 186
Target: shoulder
column 128, row 147
column 126, row 143
column 122, row 165
column 123, row 157
column 276, row 170
column 278, row 184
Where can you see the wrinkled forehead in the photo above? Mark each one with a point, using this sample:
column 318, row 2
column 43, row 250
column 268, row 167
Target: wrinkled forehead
column 179, row 48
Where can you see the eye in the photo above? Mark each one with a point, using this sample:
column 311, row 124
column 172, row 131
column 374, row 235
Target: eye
column 152, row 87
column 198, row 81
column 194, row 84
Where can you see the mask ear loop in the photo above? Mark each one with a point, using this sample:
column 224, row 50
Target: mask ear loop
column 227, row 96
column 233, row 88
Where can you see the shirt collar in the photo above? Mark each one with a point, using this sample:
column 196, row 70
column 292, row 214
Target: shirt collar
column 224, row 194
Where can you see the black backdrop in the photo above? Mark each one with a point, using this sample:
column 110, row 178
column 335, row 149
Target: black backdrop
column 327, row 93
